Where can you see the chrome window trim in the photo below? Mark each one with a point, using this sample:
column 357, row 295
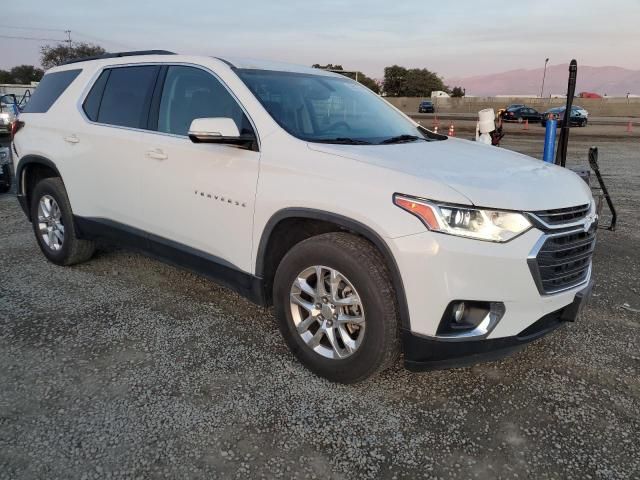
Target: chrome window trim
column 98, row 72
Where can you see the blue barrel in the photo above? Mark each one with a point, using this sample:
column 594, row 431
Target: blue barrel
column 550, row 141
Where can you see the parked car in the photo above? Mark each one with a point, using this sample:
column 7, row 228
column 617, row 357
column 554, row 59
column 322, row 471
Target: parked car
column 426, row 106
column 302, row 189
column 5, row 169
column 520, row 114
column 579, row 116
column 513, row 105
column 8, row 113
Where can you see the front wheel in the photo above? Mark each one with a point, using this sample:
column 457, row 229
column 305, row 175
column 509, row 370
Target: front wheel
column 336, row 307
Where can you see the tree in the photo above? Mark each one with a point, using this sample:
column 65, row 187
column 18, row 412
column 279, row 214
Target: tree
column 413, row 82
column 457, row 92
column 368, row 82
column 51, row 56
column 394, row 79
column 5, row 77
column 25, row 74
column 328, row 66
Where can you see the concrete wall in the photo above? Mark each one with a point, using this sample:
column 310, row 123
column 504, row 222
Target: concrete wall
column 17, row 90
column 597, row 107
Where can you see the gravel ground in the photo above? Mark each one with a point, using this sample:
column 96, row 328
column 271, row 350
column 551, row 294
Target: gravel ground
column 126, row 368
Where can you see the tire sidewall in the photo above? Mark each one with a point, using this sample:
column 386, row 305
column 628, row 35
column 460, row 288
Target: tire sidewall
column 367, row 357
column 47, row 187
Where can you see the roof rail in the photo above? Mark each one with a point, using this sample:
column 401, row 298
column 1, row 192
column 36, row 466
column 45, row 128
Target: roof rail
column 119, row 54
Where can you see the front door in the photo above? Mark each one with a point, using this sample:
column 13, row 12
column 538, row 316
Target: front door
column 200, row 196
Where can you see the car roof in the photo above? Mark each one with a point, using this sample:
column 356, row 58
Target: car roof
column 162, row 56
column 260, row 64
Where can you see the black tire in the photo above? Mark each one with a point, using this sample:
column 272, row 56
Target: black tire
column 365, row 268
column 73, row 250
column 5, row 179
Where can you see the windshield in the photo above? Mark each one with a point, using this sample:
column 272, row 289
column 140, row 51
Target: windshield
column 327, row 109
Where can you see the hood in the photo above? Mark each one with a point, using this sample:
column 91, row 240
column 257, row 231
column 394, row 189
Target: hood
column 488, row 176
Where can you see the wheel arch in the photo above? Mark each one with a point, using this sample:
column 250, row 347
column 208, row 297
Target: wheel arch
column 29, row 170
column 268, row 259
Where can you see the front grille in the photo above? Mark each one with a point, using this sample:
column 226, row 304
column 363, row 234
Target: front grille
column 563, row 215
column 563, row 261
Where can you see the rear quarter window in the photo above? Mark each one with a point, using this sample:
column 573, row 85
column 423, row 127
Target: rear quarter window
column 49, row 90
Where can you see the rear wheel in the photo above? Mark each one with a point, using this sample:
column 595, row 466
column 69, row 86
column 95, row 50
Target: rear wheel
column 336, row 307
column 52, row 222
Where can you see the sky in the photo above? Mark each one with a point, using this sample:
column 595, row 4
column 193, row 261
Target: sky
column 453, row 38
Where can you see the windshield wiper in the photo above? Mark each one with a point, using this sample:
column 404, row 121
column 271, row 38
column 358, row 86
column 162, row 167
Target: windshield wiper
column 402, row 139
column 343, row 141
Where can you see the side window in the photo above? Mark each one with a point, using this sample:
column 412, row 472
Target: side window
column 49, row 90
column 91, row 105
column 126, row 97
column 190, row 93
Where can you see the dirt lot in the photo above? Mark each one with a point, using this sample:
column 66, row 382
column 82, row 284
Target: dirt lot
column 126, row 368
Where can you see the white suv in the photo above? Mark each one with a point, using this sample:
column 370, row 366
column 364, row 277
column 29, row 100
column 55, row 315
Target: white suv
column 302, row 189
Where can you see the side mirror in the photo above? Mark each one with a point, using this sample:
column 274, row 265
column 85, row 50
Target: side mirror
column 218, row 130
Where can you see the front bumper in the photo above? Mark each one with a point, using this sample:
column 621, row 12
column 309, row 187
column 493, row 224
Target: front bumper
column 438, row 269
column 428, row 353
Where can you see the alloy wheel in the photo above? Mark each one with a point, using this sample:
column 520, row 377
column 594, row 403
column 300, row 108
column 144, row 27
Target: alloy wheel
column 50, row 223
column 327, row 312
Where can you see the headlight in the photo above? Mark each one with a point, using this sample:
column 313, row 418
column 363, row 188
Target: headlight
column 478, row 223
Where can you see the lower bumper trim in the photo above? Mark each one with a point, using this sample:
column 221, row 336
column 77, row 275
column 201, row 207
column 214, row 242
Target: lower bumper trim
column 427, row 353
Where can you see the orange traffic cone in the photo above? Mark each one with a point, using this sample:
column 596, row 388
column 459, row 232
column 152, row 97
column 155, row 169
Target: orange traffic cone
column 526, row 124
column 629, row 127
column 452, row 131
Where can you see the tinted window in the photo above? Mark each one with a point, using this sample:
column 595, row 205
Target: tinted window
column 191, row 93
column 91, row 104
column 49, row 90
column 127, row 95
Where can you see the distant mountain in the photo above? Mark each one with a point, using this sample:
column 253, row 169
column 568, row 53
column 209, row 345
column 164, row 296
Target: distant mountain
column 614, row 81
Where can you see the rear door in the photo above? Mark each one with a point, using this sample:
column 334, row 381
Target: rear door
column 109, row 156
column 199, row 196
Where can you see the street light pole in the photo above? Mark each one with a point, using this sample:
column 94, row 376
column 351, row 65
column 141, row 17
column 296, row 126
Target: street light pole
column 544, row 75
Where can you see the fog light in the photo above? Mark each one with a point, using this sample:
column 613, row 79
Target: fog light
column 469, row 319
column 458, row 312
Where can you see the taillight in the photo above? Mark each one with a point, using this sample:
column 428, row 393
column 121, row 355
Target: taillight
column 15, row 128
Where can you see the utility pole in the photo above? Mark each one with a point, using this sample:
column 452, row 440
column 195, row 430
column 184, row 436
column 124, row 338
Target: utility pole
column 544, row 75
column 68, row 32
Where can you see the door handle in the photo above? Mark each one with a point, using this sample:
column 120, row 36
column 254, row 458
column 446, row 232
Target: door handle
column 156, row 154
column 71, row 139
